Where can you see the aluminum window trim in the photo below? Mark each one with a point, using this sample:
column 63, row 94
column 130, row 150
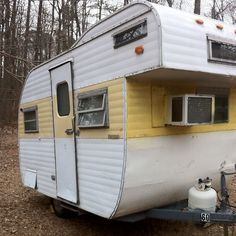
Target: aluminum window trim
column 210, row 40
column 30, row 109
column 217, row 92
column 184, row 121
column 95, row 109
column 127, row 29
column 102, row 91
column 95, row 125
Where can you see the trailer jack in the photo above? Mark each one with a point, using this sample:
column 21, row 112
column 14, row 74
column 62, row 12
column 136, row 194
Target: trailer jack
column 180, row 211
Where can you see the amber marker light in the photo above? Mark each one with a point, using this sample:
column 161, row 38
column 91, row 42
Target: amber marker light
column 199, row 21
column 220, row 27
column 139, row 50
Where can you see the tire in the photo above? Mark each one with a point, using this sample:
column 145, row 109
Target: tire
column 59, row 210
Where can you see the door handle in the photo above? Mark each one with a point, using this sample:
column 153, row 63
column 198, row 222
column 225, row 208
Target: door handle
column 69, row 131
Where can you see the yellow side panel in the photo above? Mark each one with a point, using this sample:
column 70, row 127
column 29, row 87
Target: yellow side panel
column 115, row 101
column 148, row 103
column 44, row 119
column 232, row 106
column 158, row 106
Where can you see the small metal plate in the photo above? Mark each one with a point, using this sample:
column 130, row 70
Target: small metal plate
column 30, row 178
column 205, row 217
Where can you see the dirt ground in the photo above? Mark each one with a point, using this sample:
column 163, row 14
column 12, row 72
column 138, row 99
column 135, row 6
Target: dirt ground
column 26, row 212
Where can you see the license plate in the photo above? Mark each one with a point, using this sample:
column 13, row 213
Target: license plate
column 205, row 217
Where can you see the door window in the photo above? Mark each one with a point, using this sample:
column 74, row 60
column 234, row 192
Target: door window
column 63, row 100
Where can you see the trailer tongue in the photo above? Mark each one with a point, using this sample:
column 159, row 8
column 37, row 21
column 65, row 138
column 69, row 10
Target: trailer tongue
column 181, row 211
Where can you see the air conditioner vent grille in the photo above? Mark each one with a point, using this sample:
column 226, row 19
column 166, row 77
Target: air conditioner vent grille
column 199, row 110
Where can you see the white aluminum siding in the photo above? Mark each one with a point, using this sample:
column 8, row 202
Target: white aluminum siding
column 38, row 155
column 160, row 170
column 100, row 166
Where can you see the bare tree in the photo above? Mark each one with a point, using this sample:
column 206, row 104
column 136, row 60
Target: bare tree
column 220, row 8
column 52, row 28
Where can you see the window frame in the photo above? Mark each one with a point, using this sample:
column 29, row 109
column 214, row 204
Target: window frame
column 129, row 28
column 217, row 92
column 222, row 121
column 104, row 108
column 185, row 109
column 30, row 109
column 210, row 40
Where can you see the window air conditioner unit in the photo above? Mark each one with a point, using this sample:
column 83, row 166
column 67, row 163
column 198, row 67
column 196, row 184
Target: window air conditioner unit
column 188, row 109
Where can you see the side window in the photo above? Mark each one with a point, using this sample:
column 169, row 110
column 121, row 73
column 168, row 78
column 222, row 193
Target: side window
column 92, row 109
column 220, row 51
column 221, row 114
column 63, row 99
column 31, row 119
column 221, row 109
column 131, row 34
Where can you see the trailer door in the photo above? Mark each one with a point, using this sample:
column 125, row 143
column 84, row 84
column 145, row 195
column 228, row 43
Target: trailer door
column 65, row 145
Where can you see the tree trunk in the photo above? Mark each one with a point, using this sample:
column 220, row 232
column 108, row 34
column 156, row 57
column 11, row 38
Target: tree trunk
column 170, row 2
column 1, row 41
column 84, row 15
column 100, row 5
column 64, row 32
column 6, row 45
column 77, row 20
column 38, row 50
column 197, row 7
column 27, row 26
column 52, row 29
column 213, row 10
column 126, row 2
column 13, row 43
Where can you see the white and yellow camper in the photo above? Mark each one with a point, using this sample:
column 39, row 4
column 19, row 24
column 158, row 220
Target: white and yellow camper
column 141, row 106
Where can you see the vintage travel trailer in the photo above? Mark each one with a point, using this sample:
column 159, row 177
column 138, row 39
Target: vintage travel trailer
column 128, row 119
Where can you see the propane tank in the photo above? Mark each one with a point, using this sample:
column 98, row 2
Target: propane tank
column 202, row 196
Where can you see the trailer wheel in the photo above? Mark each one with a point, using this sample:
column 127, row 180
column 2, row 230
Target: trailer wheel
column 59, row 210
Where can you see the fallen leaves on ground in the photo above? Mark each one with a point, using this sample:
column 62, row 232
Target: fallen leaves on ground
column 25, row 212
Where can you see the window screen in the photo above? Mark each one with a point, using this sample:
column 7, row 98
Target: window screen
column 221, row 108
column 199, row 110
column 63, row 100
column 30, row 120
column 130, row 35
column 92, row 109
column 222, row 52
column 177, row 109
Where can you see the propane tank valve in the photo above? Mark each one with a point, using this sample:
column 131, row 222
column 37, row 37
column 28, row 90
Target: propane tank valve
column 202, row 196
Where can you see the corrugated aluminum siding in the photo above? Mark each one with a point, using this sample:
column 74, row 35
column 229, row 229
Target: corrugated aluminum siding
column 100, row 166
column 184, row 42
column 38, row 154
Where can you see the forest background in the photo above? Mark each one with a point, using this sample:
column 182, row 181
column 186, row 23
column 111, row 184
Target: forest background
column 33, row 31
